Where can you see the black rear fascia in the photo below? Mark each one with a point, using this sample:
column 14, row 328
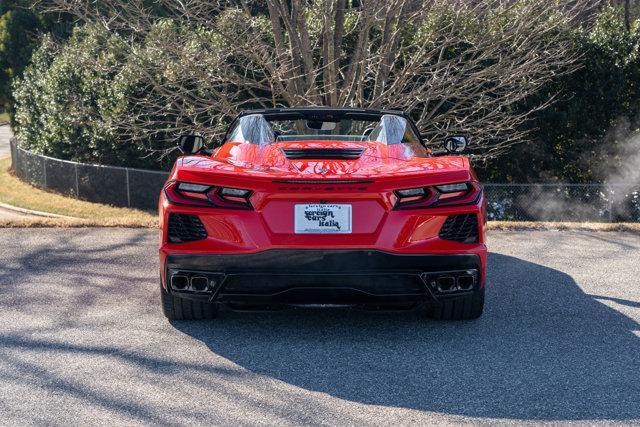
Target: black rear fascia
column 324, row 276
column 320, row 261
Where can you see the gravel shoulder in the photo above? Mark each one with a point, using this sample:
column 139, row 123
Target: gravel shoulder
column 82, row 341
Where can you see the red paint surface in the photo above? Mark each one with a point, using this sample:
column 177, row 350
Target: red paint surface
column 271, row 224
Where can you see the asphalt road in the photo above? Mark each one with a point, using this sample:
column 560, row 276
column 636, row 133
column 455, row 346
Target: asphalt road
column 82, row 340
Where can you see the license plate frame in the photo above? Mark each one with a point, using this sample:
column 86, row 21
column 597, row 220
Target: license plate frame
column 320, row 218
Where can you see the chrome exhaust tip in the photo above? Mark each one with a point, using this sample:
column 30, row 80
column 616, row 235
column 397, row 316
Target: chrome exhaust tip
column 450, row 282
column 179, row 282
column 199, row 283
column 446, row 283
column 466, row 282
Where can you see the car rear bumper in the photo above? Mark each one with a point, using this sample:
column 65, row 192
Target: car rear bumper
column 295, row 276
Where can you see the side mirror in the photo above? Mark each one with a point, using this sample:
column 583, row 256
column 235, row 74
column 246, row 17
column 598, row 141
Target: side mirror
column 190, row 144
column 456, row 144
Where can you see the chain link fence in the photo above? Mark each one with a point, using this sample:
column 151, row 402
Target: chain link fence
column 563, row 202
column 127, row 187
column 139, row 188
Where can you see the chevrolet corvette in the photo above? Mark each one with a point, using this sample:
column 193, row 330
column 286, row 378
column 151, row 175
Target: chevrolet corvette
column 322, row 206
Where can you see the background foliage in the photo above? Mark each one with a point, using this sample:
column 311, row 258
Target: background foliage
column 75, row 99
column 578, row 138
column 20, row 32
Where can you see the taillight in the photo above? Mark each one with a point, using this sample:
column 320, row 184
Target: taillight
column 186, row 193
column 453, row 188
column 232, row 198
column 463, row 193
column 413, row 198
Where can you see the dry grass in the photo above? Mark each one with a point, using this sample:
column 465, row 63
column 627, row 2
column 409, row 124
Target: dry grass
column 580, row 226
column 41, row 222
column 85, row 214
column 4, row 118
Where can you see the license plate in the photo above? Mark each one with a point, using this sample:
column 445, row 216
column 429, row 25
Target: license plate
column 323, row 219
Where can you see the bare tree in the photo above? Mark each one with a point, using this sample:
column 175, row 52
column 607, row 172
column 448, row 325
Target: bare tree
column 458, row 66
column 627, row 14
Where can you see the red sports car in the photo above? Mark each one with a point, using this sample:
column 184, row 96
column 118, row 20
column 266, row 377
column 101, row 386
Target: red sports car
column 322, row 206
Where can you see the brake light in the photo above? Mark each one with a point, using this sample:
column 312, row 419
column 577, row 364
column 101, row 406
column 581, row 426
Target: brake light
column 454, row 194
column 413, row 198
column 452, row 191
column 194, row 191
column 186, row 193
column 232, row 198
column 463, row 193
column 453, row 188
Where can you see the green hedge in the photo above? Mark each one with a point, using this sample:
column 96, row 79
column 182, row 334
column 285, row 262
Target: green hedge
column 581, row 136
column 74, row 102
column 87, row 100
column 20, row 27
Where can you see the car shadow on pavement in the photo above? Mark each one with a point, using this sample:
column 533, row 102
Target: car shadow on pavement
column 543, row 350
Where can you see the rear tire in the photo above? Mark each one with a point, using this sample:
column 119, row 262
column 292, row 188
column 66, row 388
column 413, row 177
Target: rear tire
column 177, row 308
column 467, row 307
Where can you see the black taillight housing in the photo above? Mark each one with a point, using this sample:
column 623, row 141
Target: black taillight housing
column 413, row 198
column 463, row 193
column 192, row 194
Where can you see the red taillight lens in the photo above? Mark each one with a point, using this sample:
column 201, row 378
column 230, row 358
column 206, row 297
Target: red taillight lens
column 441, row 195
column 413, row 198
column 455, row 194
column 185, row 193
column 182, row 193
column 230, row 198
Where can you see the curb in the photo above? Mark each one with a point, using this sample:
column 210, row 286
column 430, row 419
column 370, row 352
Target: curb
column 33, row 213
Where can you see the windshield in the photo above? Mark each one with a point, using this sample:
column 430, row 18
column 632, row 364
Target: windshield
column 263, row 130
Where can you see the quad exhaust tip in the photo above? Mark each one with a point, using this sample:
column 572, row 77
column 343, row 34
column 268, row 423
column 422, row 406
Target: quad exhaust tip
column 179, row 282
column 466, row 282
column 446, row 283
column 199, row 283
column 452, row 281
column 194, row 282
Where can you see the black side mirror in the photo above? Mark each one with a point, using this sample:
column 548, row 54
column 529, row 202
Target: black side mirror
column 456, row 144
column 190, row 144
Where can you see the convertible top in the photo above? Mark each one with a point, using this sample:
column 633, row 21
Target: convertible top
column 322, row 113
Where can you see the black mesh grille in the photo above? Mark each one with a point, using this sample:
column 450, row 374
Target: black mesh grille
column 323, row 153
column 185, row 228
column 460, row 228
column 375, row 284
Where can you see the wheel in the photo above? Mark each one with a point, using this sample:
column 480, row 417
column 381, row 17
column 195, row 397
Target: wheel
column 466, row 307
column 177, row 308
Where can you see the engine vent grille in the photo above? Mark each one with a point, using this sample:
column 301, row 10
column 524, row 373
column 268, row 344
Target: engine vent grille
column 460, row 228
column 323, row 153
column 185, row 228
column 323, row 181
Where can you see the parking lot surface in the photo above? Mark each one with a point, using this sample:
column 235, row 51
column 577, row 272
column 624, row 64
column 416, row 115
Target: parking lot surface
column 82, row 340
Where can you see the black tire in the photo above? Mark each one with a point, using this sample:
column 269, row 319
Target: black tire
column 176, row 308
column 466, row 307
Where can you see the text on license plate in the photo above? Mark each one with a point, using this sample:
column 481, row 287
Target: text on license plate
column 322, row 219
